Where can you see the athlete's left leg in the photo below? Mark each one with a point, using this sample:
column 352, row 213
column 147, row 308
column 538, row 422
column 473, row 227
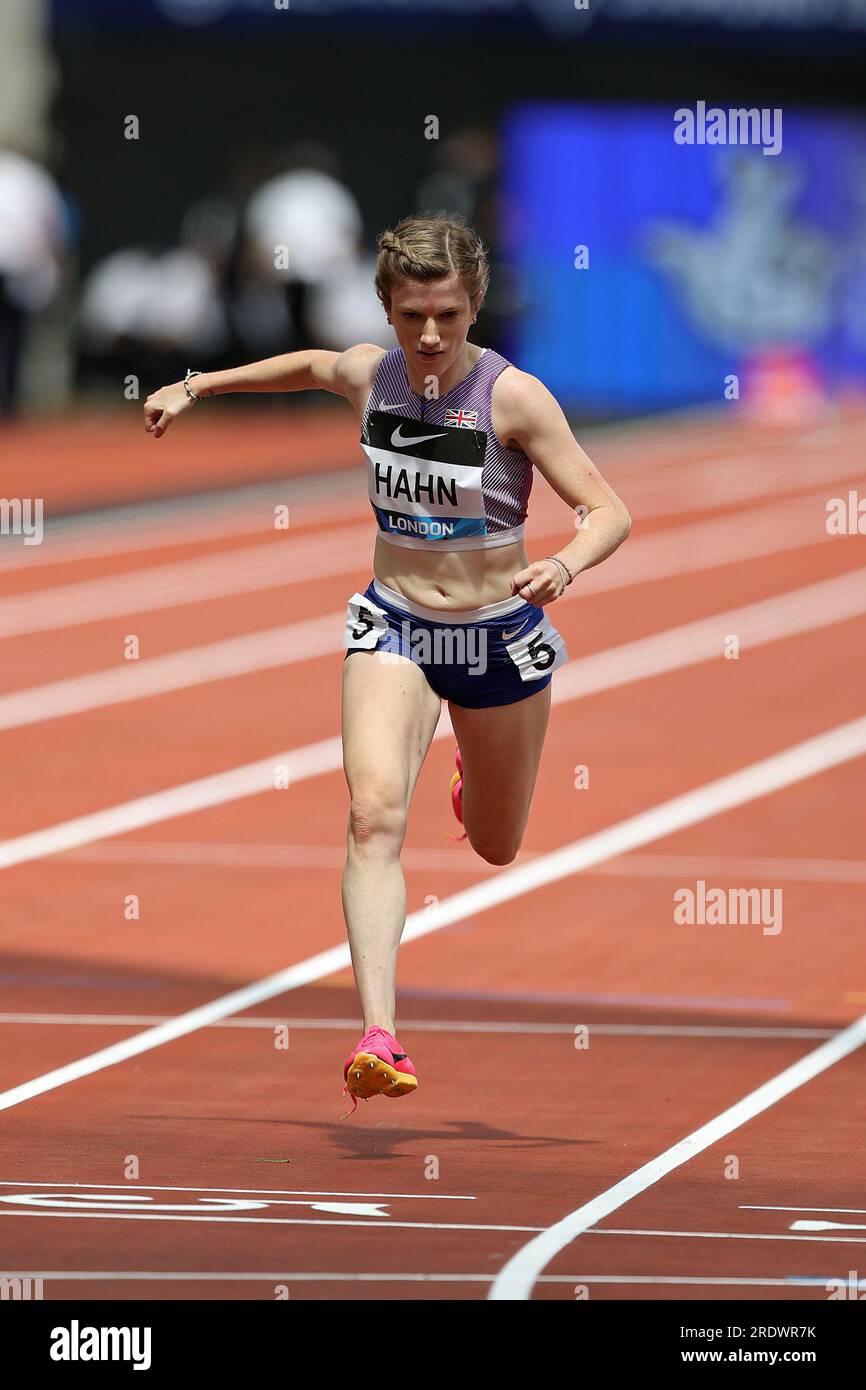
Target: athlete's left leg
column 500, row 746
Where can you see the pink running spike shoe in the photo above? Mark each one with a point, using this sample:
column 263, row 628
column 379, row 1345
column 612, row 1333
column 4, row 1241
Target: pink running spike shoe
column 457, row 795
column 378, row 1066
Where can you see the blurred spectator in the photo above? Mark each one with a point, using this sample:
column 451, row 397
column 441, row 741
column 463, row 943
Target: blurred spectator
column 345, row 309
column 148, row 312
column 307, row 210
column 221, row 296
column 465, row 179
column 33, row 243
column 110, row 299
column 151, row 314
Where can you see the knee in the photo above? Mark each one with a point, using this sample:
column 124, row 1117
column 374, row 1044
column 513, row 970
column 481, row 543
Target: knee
column 376, row 814
column 496, row 852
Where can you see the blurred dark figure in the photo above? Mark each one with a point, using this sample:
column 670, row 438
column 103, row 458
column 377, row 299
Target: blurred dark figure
column 305, row 215
column 33, row 243
column 152, row 311
column 465, row 179
column 271, row 261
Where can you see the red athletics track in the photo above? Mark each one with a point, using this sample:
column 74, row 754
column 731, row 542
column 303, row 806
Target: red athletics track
column 245, row 1177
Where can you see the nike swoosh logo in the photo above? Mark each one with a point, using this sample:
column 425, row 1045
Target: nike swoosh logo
column 401, row 405
column 399, row 442
column 506, row 636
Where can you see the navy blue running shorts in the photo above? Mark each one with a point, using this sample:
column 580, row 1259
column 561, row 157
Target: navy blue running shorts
column 478, row 657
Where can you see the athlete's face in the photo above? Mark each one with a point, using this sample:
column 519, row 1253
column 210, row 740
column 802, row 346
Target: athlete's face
column 431, row 319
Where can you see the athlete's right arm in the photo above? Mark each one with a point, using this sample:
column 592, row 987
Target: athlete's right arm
column 345, row 373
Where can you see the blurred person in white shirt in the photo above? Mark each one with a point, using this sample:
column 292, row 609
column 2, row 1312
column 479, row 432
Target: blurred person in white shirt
column 301, row 228
column 34, row 235
column 146, row 311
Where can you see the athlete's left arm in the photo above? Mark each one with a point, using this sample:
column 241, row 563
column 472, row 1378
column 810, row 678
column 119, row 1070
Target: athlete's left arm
column 527, row 416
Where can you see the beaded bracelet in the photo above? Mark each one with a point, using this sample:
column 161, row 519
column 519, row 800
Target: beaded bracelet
column 191, row 394
column 563, row 565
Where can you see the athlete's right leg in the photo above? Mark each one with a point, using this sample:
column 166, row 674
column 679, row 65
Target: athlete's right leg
column 389, row 717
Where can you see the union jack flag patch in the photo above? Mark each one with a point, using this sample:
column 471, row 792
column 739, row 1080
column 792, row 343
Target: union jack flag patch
column 463, row 419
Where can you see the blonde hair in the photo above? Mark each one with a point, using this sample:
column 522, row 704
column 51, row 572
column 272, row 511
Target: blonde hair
column 429, row 248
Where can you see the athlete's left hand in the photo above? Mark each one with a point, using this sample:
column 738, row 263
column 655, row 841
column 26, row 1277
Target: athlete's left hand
column 540, row 583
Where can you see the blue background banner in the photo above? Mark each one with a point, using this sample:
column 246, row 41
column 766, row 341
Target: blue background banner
column 702, row 259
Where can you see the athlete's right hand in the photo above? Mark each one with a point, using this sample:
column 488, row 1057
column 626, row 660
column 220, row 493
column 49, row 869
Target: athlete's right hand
column 163, row 406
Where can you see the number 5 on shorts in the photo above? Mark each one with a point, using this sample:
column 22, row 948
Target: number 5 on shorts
column 538, row 652
column 365, row 624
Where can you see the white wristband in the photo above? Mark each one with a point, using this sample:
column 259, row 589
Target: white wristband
column 191, row 394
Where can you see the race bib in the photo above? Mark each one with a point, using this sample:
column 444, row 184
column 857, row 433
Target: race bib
column 539, row 651
column 365, row 623
column 424, row 480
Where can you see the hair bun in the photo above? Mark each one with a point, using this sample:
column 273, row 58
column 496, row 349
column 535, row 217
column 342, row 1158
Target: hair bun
column 389, row 242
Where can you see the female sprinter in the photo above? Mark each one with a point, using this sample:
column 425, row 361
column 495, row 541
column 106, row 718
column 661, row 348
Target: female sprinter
column 456, row 610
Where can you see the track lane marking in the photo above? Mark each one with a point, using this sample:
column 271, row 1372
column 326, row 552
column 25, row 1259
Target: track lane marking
column 855, row 1211
column 160, row 524
column 130, row 1189
column 251, row 855
column 177, row 1276
column 694, row 477
column 250, row 779
column 759, row 532
column 726, row 1235
column 802, row 760
column 678, row 648
column 427, row 1025
column 813, row 606
column 516, row 1278
column 211, row 1219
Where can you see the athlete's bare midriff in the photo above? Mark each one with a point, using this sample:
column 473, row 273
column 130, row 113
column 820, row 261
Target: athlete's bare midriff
column 449, row 579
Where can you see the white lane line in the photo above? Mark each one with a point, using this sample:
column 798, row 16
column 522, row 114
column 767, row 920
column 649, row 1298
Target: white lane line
column 210, row 1276
column 248, row 855
column 690, row 477
column 218, row 853
column 428, row 1025
column 685, row 1279
column 270, row 565
column 182, row 521
column 213, row 1220
column 691, row 549
column 759, row 532
column 250, row 779
column 692, row 489
column 516, row 1278
column 737, row 866
column 827, row 1226
column 650, row 656
column 768, row 620
column 785, row 769
column 215, row 661
column 131, row 1189
column 314, row 968
column 711, row 1235
column 855, row 1211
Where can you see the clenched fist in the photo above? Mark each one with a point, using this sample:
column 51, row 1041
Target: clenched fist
column 540, row 583
column 163, row 406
